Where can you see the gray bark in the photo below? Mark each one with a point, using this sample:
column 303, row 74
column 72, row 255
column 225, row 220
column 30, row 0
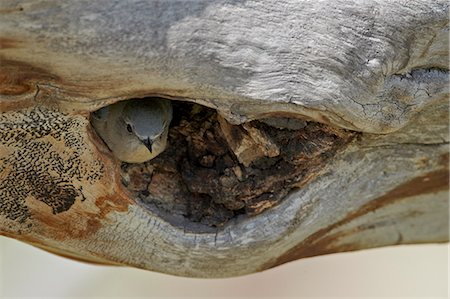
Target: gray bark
column 379, row 68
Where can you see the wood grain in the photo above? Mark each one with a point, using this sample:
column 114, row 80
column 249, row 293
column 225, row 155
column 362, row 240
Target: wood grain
column 378, row 68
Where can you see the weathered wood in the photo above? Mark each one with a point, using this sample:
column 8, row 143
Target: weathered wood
column 379, row 68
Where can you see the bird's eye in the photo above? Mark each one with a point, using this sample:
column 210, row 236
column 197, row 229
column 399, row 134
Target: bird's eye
column 129, row 128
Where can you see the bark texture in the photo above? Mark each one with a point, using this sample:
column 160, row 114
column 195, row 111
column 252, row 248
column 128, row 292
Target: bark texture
column 375, row 71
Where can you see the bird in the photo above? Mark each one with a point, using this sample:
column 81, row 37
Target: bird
column 134, row 130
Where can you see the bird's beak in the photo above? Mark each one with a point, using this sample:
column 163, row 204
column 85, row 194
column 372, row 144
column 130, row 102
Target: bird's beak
column 148, row 143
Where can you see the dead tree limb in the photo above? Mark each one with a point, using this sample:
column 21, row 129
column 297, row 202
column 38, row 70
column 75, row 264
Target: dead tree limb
column 302, row 128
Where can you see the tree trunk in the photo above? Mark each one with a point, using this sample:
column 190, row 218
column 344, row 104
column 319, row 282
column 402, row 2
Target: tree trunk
column 301, row 128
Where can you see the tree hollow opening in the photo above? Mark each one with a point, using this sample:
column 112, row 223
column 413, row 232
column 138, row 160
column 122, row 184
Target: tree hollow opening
column 212, row 172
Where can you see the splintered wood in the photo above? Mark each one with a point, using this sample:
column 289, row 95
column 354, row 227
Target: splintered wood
column 213, row 171
column 247, row 142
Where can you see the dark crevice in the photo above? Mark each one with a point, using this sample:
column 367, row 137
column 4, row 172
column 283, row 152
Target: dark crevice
column 213, row 172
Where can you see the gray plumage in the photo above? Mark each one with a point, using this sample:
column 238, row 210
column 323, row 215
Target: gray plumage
column 135, row 130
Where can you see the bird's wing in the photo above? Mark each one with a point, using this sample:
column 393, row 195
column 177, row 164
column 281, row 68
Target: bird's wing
column 101, row 114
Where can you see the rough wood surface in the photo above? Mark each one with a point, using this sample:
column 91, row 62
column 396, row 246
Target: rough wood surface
column 379, row 68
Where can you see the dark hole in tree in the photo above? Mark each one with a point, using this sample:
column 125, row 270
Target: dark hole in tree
column 213, row 171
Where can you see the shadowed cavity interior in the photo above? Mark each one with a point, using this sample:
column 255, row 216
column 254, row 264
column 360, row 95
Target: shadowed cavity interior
column 212, row 172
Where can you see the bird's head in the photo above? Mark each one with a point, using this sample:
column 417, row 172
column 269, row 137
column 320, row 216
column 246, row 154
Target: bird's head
column 148, row 121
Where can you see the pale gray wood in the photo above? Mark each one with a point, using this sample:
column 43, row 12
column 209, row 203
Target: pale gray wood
column 377, row 67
